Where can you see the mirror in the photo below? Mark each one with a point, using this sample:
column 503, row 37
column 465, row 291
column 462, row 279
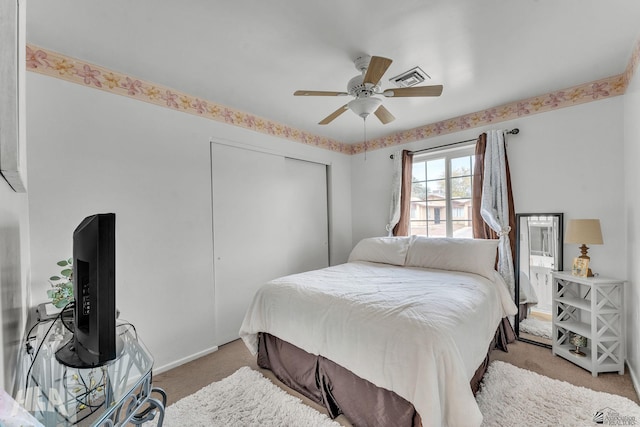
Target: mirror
column 538, row 253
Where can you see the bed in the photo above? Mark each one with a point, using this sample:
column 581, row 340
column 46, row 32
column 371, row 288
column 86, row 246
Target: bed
column 412, row 316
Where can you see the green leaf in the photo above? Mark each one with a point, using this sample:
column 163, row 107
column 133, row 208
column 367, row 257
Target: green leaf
column 70, row 261
column 66, row 272
column 55, row 278
column 63, row 263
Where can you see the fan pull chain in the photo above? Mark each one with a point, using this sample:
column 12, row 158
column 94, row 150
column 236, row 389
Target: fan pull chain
column 364, row 124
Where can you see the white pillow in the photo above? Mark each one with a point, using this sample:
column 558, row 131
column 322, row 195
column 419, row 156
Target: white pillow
column 387, row 250
column 467, row 255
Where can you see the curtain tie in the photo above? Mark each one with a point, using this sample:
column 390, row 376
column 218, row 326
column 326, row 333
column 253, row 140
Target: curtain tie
column 505, row 231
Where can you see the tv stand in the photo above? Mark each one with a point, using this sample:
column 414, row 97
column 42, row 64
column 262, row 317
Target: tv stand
column 114, row 394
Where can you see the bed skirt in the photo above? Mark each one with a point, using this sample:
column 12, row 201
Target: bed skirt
column 338, row 389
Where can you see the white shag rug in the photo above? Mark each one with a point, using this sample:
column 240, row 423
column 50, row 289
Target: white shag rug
column 512, row 396
column 245, row 398
column 509, row 396
column 536, row 327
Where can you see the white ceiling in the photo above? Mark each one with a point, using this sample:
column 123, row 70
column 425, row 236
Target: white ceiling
column 253, row 54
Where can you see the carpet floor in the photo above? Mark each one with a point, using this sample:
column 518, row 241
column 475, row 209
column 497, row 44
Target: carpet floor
column 509, row 396
column 512, row 396
column 245, row 398
column 191, row 377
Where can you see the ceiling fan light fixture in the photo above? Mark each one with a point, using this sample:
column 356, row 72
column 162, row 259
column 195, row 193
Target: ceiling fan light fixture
column 364, row 106
column 363, row 87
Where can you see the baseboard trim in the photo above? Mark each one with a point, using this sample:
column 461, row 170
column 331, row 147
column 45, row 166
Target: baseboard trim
column 184, row 360
column 634, row 379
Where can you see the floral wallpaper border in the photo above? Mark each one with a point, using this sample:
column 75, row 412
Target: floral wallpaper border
column 587, row 92
column 57, row 65
column 632, row 66
column 611, row 86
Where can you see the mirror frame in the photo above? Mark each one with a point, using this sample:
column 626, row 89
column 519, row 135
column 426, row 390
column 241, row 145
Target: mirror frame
column 516, row 264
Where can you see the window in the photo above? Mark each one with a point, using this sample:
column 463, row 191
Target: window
column 441, row 203
column 458, row 212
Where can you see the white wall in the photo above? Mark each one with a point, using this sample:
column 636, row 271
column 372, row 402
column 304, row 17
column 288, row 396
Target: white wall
column 91, row 151
column 14, row 213
column 632, row 222
column 568, row 160
column 14, row 277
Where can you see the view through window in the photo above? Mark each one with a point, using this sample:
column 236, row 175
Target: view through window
column 441, row 202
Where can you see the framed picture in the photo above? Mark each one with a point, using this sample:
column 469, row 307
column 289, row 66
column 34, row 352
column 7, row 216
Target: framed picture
column 580, row 267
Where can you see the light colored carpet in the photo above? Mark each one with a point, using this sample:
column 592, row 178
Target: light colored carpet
column 245, row 398
column 509, row 396
column 512, row 396
column 536, row 327
column 186, row 379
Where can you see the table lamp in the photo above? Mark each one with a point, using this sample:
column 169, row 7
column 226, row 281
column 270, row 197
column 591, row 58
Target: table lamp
column 584, row 232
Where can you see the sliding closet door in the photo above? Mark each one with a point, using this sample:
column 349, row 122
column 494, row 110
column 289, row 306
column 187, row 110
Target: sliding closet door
column 269, row 220
column 307, row 223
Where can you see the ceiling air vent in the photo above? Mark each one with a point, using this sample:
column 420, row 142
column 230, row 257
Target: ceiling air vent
column 410, row 78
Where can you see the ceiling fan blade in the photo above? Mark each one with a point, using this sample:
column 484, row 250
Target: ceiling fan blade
column 384, row 115
column 377, row 67
column 333, row 115
column 414, row 91
column 318, row 93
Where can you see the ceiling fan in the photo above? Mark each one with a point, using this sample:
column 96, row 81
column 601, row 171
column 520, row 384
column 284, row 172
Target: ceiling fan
column 364, row 86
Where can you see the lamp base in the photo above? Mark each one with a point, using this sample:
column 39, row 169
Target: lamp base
column 583, row 254
column 577, row 352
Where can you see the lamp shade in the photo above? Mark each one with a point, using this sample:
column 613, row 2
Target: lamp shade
column 578, row 340
column 583, row 231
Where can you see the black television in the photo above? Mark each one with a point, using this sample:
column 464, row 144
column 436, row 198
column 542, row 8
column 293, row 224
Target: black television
column 94, row 342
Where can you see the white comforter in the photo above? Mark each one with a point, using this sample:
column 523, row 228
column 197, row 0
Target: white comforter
column 421, row 333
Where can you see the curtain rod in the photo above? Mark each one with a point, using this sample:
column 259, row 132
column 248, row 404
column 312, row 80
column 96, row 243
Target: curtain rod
column 513, row 131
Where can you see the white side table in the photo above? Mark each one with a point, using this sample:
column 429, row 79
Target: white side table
column 594, row 308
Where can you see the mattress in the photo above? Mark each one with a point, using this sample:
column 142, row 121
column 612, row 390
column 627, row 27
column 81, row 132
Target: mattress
column 420, row 333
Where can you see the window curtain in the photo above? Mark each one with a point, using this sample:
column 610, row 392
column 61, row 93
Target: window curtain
column 494, row 215
column 493, row 211
column 396, row 191
column 400, row 211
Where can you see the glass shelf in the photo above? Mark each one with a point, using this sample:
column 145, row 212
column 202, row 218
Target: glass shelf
column 57, row 395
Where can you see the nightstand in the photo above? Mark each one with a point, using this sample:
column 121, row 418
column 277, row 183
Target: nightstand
column 594, row 308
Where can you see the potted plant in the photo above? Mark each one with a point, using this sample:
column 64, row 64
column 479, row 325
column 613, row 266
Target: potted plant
column 61, row 292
